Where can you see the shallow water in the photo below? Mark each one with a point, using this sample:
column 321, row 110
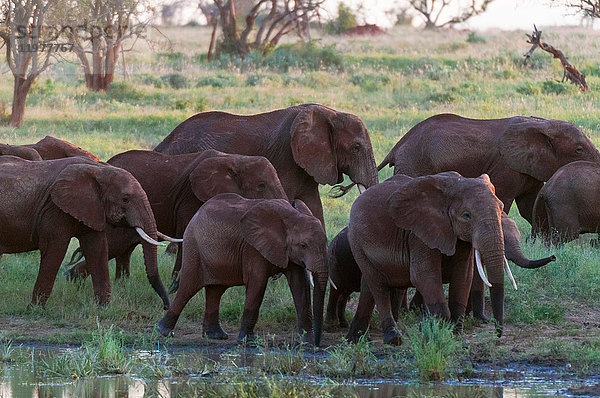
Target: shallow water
column 24, row 380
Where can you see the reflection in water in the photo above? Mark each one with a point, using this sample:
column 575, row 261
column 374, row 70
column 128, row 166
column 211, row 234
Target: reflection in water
column 23, row 380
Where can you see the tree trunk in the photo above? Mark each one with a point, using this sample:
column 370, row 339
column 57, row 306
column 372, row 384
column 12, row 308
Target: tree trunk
column 21, row 89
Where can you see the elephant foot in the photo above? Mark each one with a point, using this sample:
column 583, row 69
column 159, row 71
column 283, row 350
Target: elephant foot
column 358, row 328
column 249, row 340
column 163, row 329
column 215, row 333
column 391, row 333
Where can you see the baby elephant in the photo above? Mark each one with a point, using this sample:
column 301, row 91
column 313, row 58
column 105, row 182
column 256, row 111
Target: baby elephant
column 232, row 241
column 567, row 205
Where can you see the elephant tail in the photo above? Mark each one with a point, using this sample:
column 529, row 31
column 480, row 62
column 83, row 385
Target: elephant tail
column 540, row 225
column 339, row 190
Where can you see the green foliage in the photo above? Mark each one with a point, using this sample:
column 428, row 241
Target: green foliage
column 350, row 360
column 437, row 350
column 218, row 80
column 175, row 80
column 308, row 55
column 473, row 37
column 345, row 21
column 528, row 88
column 122, row 92
column 150, row 80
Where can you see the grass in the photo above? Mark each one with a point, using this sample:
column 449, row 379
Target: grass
column 391, row 82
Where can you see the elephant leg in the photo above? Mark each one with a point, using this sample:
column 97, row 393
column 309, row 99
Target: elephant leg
column 396, row 296
column 255, row 292
column 458, row 292
column 341, row 309
column 426, row 277
column 364, row 311
column 211, row 326
column 52, row 253
column 476, row 299
column 178, row 261
column 382, row 296
column 95, row 250
column 417, row 302
column 332, row 304
column 78, row 271
column 526, row 201
column 190, row 283
column 300, row 289
column 123, row 263
column 313, row 201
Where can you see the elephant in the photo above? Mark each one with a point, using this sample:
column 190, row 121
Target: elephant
column 51, row 148
column 567, row 205
column 46, row 203
column 345, row 273
column 19, row 151
column 308, row 145
column 518, row 153
column 233, row 241
column 420, row 232
column 177, row 185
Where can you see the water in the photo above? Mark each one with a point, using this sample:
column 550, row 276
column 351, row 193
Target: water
column 23, row 379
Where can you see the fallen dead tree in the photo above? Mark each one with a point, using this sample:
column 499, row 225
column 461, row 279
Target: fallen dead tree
column 570, row 73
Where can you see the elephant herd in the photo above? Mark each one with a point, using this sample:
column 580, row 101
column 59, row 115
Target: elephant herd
column 239, row 194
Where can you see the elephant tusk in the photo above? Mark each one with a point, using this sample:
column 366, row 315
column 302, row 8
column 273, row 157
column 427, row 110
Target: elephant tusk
column 332, row 284
column 310, row 279
column 480, row 269
column 168, row 238
column 147, row 238
column 510, row 275
column 361, row 188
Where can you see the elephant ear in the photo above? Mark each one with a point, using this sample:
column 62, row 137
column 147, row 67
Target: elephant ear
column 528, row 149
column 311, row 143
column 422, row 207
column 263, row 228
column 77, row 192
column 213, row 176
column 301, row 207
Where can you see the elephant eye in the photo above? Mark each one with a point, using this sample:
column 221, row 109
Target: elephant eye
column 579, row 149
column 262, row 186
column 126, row 199
column 355, row 148
column 467, row 215
column 303, row 246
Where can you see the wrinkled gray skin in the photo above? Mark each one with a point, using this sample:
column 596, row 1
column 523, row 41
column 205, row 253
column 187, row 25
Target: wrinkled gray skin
column 232, row 241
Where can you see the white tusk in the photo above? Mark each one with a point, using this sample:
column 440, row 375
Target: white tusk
column 480, row 269
column 147, row 238
column 510, row 275
column 361, row 188
column 332, row 284
column 310, row 278
column 168, row 238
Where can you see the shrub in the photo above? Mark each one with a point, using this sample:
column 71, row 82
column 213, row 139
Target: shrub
column 473, row 37
column 554, row 87
column 218, row 80
column 175, row 80
column 150, row 80
column 307, row 55
column 528, row 88
column 122, row 92
column 345, row 21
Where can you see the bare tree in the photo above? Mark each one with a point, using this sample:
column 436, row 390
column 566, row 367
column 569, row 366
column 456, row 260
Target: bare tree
column 590, row 8
column 211, row 13
column 98, row 30
column 267, row 21
column 28, row 45
column 436, row 12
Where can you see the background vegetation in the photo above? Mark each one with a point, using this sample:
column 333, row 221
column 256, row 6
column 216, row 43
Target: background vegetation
column 391, row 82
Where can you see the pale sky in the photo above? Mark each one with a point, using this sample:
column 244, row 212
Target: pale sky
column 501, row 14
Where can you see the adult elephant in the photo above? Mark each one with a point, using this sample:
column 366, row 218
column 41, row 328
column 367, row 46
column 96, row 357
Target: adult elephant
column 51, row 148
column 177, row 185
column 567, row 205
column 46, row 203
column 345, row 273
column 518, row 153
column 233, row 241
column 307, row 144
column 421, row 232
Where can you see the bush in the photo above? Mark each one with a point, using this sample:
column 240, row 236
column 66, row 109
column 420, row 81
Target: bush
column 554, row 87
column 345, row 21
column 149, row 80
column 122, row 92
column 473, row 37
column 218, row 80
column 175, row 80
column 304, row 55
column 528, row 88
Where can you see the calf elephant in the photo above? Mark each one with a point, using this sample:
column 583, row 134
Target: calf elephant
column 46, row 203
column 177, row 185
column 567, row 205
column 307, row 144
column 19, row 151
column 345, row 273
column 420, row 232
column 232, row 241
column 51, row 148
column 518, row 153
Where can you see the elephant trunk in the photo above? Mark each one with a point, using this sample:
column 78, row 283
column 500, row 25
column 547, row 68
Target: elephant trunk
column 151, row 256
column 514, row 254
column 489, row 242
column 319, row 304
